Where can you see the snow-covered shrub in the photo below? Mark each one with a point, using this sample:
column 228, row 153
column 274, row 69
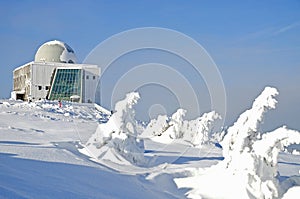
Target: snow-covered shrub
column 118, row 137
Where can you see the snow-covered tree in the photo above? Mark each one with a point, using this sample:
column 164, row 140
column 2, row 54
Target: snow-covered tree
column 118, row 137
column 247, row 150
column 262, row 179
column 156, row 126
column 244, row 132
column 176, row 124
column 197, row 132
column 250, row 157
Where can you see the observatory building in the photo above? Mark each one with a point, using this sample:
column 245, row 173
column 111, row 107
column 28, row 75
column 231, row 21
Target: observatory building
column 55, row 75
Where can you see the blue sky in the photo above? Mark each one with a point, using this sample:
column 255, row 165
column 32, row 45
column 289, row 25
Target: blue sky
column 253, row 43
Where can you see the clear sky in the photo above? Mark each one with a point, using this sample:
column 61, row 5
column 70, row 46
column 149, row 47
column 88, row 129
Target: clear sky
column 253, row 43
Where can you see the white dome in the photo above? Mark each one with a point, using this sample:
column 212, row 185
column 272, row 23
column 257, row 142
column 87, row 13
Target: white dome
column 55, row 51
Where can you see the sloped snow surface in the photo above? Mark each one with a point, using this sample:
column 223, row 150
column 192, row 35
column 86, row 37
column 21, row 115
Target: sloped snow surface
column 81, row 151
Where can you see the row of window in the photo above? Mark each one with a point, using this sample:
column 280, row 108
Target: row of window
column 21, row 78
column 87, row 77
column 41, row 87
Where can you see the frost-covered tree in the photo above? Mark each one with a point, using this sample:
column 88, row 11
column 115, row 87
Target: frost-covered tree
column 117, row 139
column 156, row 126
column 176, row 124
column 250, row 157
column 248, row 151
column 197, row 132
column 262, row 179
column 244, row 132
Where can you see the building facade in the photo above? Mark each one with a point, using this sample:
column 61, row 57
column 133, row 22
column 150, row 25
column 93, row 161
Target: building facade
column 56, row 75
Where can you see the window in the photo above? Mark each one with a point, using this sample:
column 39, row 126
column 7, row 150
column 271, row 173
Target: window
column 40, row 88
column 67, row 82
column 47, row 88
column 87, row 77
column 94, row 77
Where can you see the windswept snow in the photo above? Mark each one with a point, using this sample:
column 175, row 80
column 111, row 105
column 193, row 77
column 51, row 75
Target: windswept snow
column 81, row 151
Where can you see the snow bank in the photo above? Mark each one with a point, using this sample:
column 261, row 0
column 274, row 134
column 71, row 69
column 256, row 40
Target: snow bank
column 250, row 158
column 116, row 140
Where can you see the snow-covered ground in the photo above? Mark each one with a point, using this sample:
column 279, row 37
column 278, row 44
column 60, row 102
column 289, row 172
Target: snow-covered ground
column 80, row 151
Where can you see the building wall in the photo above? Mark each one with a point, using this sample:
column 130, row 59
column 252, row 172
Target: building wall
column 90, row 81
column 41, row 80
column 22, row 81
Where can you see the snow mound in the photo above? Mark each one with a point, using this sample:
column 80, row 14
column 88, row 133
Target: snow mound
column 117, row 140
column 250, row 158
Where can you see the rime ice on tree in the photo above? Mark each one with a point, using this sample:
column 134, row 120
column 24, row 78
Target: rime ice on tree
column 250, row 158
column 117, row 140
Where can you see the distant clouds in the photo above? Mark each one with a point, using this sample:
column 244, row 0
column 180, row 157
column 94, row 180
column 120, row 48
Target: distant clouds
column 287, row 28
column 267, row 32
